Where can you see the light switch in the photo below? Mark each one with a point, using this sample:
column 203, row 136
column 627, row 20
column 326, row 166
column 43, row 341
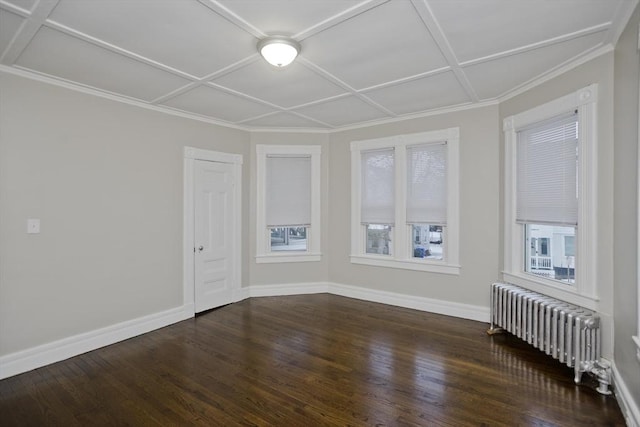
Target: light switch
column 33, row 226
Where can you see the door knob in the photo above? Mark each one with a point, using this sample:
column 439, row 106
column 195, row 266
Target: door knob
column 201, row 248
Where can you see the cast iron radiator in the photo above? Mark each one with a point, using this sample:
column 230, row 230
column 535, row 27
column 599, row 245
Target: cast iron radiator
column 564, row 331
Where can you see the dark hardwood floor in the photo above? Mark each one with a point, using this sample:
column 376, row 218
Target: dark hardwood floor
column 309, row 360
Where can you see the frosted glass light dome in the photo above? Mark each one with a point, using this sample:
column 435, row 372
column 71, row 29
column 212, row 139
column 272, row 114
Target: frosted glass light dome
column 278, row 51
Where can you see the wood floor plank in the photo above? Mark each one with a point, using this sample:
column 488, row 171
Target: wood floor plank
column 309, row 360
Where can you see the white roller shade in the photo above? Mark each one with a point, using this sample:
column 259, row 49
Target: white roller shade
column 288, row 191
column 378, row 188
column 427, row 184
column 547, row 158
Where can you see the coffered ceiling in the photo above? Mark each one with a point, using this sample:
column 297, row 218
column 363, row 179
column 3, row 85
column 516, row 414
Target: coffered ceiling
column 361, row 62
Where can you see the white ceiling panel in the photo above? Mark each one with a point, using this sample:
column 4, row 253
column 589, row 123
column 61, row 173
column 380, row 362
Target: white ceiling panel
column 421, row 94
column 215, row 103
column 9, row 25
column 286, row 87
column 178, row 33
column 60, row 55
column 340, row 112
column 383, row 44
column 283, row 120
column 362, row 61
column 281, row 17
column 493, row 78
column 23, row 4
column 476, row 29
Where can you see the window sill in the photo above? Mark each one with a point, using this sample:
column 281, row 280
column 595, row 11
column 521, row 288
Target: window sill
column 567, row 293
column 288, row 257
column 433, row 267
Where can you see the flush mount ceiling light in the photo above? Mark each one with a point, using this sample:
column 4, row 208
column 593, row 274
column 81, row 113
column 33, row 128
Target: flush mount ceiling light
column 279, row 51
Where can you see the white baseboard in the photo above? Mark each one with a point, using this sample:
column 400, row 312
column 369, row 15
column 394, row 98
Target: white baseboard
column 464, row 311
column 628, row 405
column 240, row 294
column 288, row 289
column 36, row 357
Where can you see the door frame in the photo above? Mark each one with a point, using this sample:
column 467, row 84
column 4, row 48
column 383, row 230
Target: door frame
column 192, row 154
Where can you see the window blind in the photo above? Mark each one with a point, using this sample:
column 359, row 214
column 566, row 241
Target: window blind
column 547, row 184
column 378, row 188
column 427, row 184
column 288, row 191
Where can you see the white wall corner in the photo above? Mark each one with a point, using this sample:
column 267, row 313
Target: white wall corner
column 36, row 357
column 629, row 406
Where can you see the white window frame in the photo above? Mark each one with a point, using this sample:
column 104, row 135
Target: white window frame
column 264, row 254
column 401, row 254
column 584, row 291
column 636, row 338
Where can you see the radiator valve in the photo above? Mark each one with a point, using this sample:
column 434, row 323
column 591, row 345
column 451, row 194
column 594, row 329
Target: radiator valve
column 602, row 371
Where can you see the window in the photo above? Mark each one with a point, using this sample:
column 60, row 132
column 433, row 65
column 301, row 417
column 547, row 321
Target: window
column 550, row 222
column 547, row 194
column 405, row 201
column 551, row 252
column 288, row 203
column 289, row 239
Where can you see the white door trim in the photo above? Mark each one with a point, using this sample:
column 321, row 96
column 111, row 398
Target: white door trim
column 190, row 156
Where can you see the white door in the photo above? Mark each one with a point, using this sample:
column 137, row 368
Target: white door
column 214, row 234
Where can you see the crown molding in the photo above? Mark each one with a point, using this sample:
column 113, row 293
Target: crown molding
column 567, row 66
column 111, row 96
column 555, row 72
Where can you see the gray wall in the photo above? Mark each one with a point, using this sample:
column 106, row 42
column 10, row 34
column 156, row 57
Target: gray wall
column 295, row 272
column 625, row 232
column 106, row 180
column 479, row 222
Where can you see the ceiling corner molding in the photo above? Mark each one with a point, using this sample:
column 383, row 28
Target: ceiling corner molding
column 623, row 14
column 567, row 66
column 429, row 113
column 290, row 130
column 113, row 97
